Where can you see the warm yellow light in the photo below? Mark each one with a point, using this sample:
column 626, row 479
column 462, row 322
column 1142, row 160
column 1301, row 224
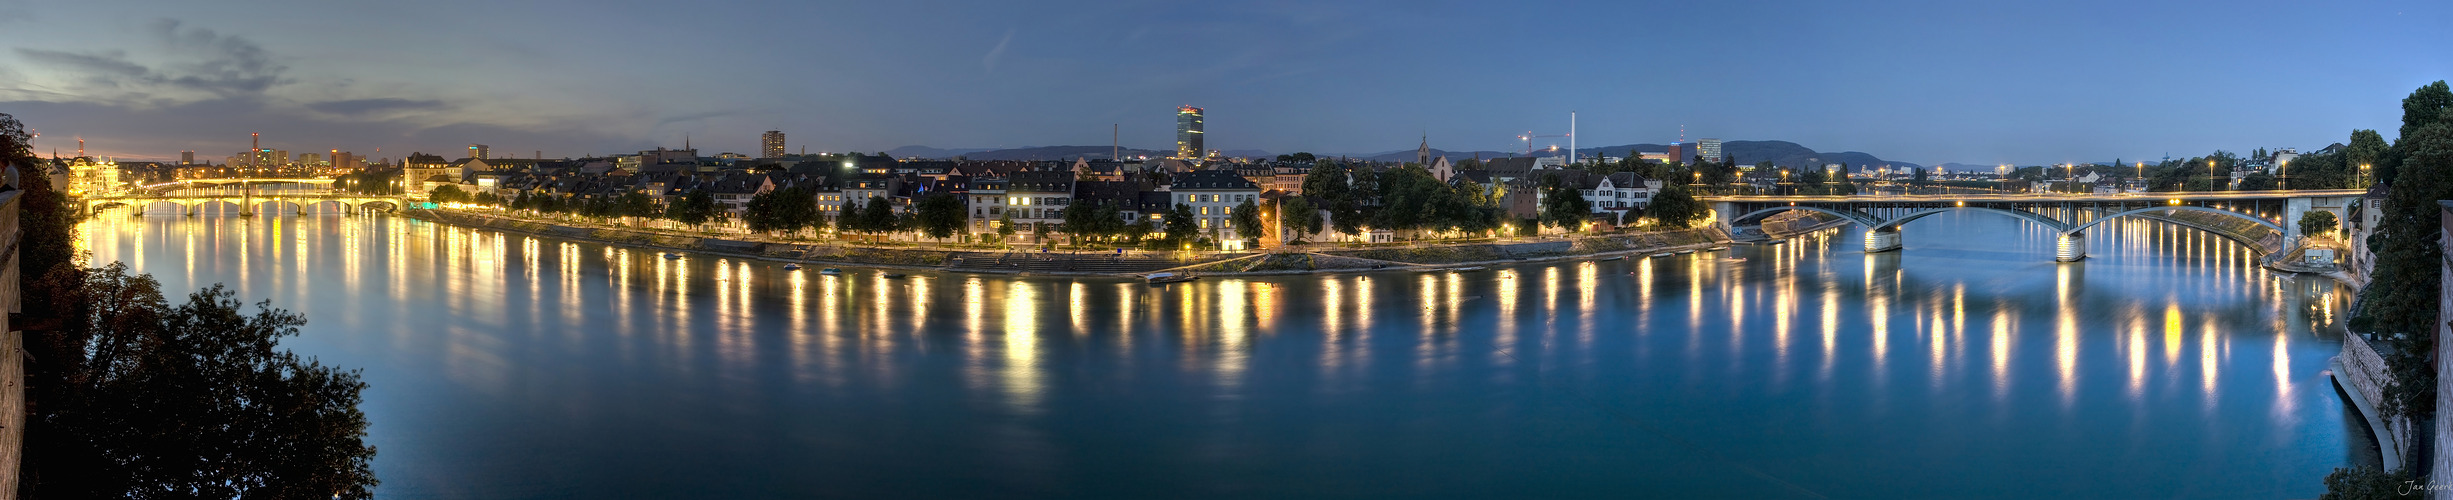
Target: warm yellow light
column 2176, row 201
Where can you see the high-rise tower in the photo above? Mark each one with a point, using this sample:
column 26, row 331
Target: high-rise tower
column 771, row 144
column 1188, row 143
column 479, row 151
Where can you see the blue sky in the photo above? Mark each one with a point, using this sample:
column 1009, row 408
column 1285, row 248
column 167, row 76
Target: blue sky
column 1926, row 82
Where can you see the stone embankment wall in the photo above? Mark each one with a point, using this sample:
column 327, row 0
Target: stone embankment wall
column 2365, row 375
column 12, row 351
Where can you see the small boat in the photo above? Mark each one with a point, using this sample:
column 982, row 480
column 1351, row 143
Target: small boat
column 831, row 271
column 1614, row 258
column 1686, row 251
column 1660, row 255
column 672, row 256
column 792, row 267
column 896, row 276
column 1467, row 269
column 1734, row 259
column 1716, row 249
column 1165, row 278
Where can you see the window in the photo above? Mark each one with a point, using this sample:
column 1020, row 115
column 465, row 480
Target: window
column 1226, row 210
column 1205, row 223
column 1205, row 210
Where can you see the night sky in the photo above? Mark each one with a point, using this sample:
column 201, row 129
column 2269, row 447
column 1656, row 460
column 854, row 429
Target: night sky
column 1925, row 82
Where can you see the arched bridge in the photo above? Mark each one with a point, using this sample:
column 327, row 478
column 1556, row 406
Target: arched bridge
column 2068, row 215
column 191, row 196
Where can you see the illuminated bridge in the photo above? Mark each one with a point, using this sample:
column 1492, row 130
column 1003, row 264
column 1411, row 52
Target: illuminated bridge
column 246, row 195
column 2070, row 215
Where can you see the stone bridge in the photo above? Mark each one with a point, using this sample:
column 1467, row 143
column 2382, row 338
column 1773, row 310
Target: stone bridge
column 192, row 195
column 2068, row 215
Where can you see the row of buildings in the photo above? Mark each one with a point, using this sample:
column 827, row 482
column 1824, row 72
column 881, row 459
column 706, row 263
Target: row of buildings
column 1032, row 195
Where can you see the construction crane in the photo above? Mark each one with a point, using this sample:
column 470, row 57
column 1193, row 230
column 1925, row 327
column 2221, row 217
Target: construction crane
column 1528, row 137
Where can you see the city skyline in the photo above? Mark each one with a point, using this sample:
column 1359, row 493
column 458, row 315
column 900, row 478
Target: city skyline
column 146, row 80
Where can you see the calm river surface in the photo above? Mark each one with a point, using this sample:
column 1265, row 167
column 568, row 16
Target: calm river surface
column 1969, row 365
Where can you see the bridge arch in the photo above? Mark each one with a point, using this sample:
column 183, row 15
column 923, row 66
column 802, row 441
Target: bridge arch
column 384, row 205
column 324, row 207
column 2278, row 228
column 2047, row 221
column 199, row 207
column 1860, row 219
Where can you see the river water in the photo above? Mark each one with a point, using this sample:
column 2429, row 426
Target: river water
column 1967, row 365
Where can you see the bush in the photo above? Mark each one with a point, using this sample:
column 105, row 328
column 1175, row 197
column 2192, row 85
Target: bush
column 2364, row 482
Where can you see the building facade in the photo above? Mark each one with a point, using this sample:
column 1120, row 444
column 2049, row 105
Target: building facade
column 771, row 144
column 1213, row 195
column 1189, row 144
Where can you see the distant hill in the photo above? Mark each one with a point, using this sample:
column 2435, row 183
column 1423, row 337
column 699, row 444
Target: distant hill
column 1022, row 154
column 1780, row 153
column 929, row 152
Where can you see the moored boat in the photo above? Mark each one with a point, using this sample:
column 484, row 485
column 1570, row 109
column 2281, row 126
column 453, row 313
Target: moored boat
column 831, row 271
column 792, row 267
column 1164, row 278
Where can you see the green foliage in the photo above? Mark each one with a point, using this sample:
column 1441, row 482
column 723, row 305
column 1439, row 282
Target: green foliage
column 2317, row 222
column 636, row 204
column 2400, row 305
column 2368, row 483
column 1674, row 208
column 1005, row 224
column 1180, row 224
column 135, row 398
column 1563, row 206
column 694, row 208
column 47, row 224
column 448, row 193
column 2363, row 156
column 877, row 216
column 2425, row 106
column 940, row 215
column 1300, row 215
column 1247, row 219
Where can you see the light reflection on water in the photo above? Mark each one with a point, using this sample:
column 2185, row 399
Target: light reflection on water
column 1675, row 375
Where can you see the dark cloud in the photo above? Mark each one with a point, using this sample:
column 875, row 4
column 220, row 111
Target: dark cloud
column 228, row 64
column 371, row 106
column 198, row 60
column 107, row 63
column 218, row 127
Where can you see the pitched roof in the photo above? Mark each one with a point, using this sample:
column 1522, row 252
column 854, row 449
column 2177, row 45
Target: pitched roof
column 1213, row 179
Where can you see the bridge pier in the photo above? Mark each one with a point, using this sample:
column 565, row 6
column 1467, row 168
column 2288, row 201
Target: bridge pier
column 2070, row 247
column 1879, row 240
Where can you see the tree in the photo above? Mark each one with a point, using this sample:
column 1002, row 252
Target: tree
column 2367, row 483
column 940, row 215
column 139, row 399
column 1247, row 219
column 1299, row 216
column 848, row 219
column 1180, row 225
column 448, row 194
column 1563, row 206
column 1005, row 226
column 694, row 209
column 877, row 216
column 1674, row 208
column 47, row 224
column 2317, row 222
column 2366, row 151
column 2424, row 107
column 1081, row 219
column 636, row 205
column 1919, row 178
column 2400, row 305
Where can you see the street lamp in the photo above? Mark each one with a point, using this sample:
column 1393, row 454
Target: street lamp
column 2210, row 174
